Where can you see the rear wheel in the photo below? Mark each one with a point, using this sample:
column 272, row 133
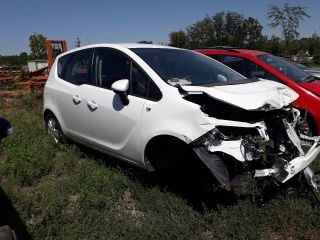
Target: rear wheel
column 54, row 129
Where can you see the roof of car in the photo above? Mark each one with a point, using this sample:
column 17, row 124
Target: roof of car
column 232, row 49
column 119, row 45
column 126, row 45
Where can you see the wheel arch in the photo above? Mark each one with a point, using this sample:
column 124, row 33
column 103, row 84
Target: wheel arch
column 164, row 151
column 46, row 112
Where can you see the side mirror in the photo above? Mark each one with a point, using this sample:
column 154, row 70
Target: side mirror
column 121, row 87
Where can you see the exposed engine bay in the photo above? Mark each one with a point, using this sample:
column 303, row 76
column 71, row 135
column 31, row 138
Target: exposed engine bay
column 269, row 142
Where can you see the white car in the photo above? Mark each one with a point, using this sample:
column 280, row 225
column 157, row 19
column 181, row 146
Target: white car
column 154, row 105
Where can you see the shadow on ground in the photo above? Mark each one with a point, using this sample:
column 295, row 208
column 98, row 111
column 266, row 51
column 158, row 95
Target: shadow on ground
column 9, row 216
column 192, row 181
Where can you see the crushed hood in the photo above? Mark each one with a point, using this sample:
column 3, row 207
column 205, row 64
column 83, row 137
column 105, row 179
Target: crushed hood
column 249, row 96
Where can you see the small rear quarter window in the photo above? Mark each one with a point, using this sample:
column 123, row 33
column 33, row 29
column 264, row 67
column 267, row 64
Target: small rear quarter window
column 62, row 66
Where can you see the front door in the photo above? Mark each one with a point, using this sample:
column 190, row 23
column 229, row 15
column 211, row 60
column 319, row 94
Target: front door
column 113, row 127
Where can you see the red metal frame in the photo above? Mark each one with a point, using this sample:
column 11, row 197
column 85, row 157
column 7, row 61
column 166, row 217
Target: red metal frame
column 37, row 79
column 51, row 54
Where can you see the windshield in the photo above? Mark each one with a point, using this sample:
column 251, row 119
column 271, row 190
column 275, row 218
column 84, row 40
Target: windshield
column 286, row 68
column 184, row 67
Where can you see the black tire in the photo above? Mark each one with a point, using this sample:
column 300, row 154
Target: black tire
column 6, row 233
column 312, row 126
column 54, row 129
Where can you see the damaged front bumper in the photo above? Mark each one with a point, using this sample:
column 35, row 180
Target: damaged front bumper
column 283, row 162
column 284, row 170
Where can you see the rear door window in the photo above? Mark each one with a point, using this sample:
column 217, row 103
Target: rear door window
column 62, row 66
column 79, row 68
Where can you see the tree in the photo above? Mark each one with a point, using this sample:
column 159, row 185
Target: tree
column 219, row 27
column 23, row 55
column 274, row 45
column 223, row 28
column 37, row 46
column 178, row 39
column 234, row 31
column 252, row 32
column 288, row 18
column 200, row 34
column 314, row 45
column 146, row 42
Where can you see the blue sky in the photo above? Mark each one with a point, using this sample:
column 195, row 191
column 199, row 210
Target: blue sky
column 97, row 21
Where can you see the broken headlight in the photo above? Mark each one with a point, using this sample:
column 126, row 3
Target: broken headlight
column 214, row 134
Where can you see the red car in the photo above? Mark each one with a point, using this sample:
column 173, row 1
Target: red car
column 258, row 64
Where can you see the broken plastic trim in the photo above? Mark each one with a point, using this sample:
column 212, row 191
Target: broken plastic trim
column 245, row 148
column 211, row 135
column 284, row 170
column 216, row 165
column 239, row 148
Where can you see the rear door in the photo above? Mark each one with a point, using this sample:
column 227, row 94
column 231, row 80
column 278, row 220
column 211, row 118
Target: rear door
column 73, row 75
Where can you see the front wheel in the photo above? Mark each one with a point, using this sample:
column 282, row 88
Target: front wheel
column 54, row 129
column 307, row 126
column 314, row 194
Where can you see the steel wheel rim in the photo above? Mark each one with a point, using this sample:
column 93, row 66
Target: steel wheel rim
column 53, row 130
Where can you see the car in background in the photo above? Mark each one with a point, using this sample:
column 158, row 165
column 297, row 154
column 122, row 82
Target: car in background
column 313, row 71
column 257, row 64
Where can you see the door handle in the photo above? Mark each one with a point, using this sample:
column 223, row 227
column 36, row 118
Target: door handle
column 76, row 99
column 92, row 105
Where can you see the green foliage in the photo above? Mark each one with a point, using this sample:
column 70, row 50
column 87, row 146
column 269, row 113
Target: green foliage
column 253, row 30
column 223, row 28
column 178, row 39
column 25, row 162
column 199, row 34
column 233, row 29
column 288, row 18
column 37, row 46
column 274, row 45
column 146, row 42
column 14, row 59
column 66, row 192
column 316, row 59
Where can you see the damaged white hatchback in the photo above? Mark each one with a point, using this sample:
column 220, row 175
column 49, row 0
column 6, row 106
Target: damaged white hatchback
column 150, row 105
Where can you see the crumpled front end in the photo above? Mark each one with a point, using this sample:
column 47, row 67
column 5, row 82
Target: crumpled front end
column 270, row 148
column 269, row 141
